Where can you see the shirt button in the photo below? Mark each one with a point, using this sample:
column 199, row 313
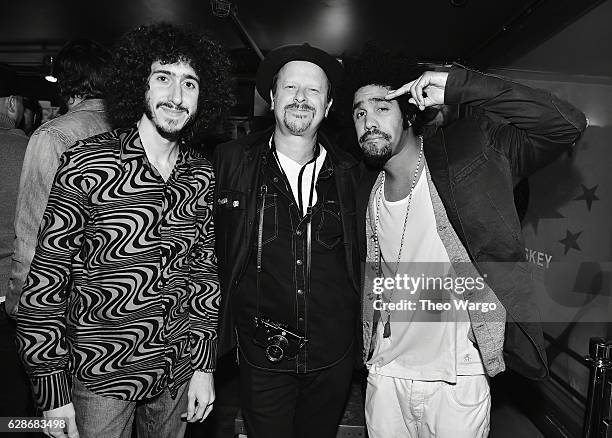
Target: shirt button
column 300, row 292
column 298, row 262
column 300, row 319
column 298, row 232
column 275, row 179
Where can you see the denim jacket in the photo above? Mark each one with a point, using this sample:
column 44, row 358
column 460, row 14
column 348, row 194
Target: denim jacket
column 237, row 169
column 41, row 161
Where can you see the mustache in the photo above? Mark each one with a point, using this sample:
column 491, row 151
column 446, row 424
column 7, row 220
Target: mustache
column 172, row 106
column 374, row 133
column 300, row 106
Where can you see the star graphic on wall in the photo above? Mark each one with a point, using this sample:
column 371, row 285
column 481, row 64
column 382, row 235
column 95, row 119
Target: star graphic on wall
column 570, row 241
column 539, row 211
column 588, row 195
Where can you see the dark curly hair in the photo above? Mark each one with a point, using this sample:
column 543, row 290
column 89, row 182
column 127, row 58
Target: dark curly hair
column 377, row 66
column 80, row 69
column 168, row 44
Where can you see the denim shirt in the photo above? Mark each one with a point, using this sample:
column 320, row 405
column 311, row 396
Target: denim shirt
column 40, row 163
column 13, row 144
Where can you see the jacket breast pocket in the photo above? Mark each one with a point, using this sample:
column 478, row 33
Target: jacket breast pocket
column 329, row 230
column 270, row 219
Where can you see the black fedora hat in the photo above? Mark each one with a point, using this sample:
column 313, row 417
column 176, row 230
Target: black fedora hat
column 280, row 56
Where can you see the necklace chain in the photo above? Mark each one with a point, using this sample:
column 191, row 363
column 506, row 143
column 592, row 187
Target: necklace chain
column 379, row 196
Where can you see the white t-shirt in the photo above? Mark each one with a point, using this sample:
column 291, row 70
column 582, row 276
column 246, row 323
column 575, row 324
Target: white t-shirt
column 292, row 170
column 424, row 344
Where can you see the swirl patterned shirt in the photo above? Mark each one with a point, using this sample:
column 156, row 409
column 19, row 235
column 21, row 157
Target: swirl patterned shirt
column 123, row 290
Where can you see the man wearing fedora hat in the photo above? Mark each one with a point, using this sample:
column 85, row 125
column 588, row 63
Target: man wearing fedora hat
column 288, row 265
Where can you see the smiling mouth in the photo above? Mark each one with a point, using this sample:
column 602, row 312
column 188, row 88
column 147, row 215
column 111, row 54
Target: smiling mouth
column 300, row 110
column 173, row 112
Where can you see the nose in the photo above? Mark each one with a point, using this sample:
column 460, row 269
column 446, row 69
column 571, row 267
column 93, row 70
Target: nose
column 299, row 95
column 176, row 93
column 370, row 122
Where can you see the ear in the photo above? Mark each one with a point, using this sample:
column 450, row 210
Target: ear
column 271, row 101
column 11, row 104
column 406, row 121
column 329, row 104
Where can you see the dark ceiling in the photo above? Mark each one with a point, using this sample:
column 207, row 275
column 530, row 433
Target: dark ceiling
column 479, row 32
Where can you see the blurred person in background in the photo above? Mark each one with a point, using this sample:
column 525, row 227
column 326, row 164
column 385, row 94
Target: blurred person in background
column 32, row 115
column 79, row 67
column 14, row 399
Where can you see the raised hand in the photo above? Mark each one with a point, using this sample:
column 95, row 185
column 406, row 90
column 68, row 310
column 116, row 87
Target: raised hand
column 425, row 91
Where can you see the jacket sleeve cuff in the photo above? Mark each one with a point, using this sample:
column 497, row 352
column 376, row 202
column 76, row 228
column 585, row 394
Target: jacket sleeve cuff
column 204, row 354
column 51, row 391
column 457, row 82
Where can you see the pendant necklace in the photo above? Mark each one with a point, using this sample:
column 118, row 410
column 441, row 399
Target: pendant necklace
column 380, row 195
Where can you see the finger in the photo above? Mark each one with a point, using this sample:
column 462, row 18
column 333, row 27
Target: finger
column 55, row 433
column 413, row 93
column 392, row 94
column 72, row 430
column 421, row 90
column 191, row 407
column 418, row 88
column 199, row 413
column 207, row 412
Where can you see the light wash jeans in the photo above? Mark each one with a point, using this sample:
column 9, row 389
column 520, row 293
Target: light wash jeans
column 105, row 417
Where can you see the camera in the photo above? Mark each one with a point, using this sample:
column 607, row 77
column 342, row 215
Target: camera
column 279, row 340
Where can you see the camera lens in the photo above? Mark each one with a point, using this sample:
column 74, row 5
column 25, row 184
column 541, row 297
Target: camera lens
column 275, row 350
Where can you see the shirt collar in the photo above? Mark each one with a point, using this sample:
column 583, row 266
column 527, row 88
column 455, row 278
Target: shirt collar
column 6, row 122
column 327, row 169
column 88, row 105
column 131, row 149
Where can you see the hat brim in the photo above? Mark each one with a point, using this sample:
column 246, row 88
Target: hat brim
column 274, row 61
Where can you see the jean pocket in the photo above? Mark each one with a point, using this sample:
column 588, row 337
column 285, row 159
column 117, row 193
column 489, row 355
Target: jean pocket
column 329, row 231
column 270, row 219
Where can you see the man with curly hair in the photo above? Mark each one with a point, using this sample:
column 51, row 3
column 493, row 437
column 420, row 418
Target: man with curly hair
column 437, row 209
column 79, row 67
column 124, row 278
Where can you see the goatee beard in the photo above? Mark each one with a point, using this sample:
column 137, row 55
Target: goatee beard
column 298, row 127
column 373, row 156
column 377, row 159
column 170, row 135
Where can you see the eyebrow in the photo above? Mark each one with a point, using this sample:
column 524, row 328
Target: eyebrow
column 169, row 73
column 371, row 99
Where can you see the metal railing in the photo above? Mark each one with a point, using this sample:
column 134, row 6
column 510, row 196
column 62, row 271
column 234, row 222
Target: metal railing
column 598, row 415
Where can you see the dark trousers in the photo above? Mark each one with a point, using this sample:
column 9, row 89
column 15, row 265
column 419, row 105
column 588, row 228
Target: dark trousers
column 15, row 395
column 291, row 405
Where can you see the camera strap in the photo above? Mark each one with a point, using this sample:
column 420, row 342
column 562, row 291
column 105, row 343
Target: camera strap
column 308, row 216
column 263, row 191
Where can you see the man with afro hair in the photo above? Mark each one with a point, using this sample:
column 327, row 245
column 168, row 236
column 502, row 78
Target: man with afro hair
column 440, row 211
column 118, row 315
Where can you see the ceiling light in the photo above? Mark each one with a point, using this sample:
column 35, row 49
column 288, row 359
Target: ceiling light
column 48, row 63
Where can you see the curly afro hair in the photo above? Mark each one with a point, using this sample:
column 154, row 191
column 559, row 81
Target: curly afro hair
column 168, row 44
column 377, row 66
